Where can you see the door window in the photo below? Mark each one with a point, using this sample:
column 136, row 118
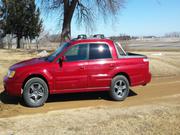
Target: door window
column 99, row 51
column 77, row 52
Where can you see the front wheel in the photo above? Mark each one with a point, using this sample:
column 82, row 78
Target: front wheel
column 35, row 92
column 119, row 88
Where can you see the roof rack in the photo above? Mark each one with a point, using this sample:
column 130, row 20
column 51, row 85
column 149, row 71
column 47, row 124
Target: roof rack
column 101, row 36
column 82, row 36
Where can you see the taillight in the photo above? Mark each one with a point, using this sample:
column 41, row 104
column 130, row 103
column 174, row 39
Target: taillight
column 146, row 60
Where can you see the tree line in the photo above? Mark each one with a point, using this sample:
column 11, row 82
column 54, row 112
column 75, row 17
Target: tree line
column 20, row 19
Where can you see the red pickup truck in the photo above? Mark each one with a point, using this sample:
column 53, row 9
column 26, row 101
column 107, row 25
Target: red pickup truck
column 81, row 65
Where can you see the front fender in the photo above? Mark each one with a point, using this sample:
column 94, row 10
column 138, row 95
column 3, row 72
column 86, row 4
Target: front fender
column 46, row 74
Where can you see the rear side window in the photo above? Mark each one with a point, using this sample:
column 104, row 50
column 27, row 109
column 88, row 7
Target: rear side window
column 119, row 51
column 99, row 51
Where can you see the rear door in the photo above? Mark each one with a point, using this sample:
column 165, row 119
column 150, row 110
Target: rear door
column 100, row 65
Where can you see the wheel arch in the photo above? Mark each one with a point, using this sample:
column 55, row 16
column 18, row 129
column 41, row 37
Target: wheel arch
column 124, row 74
column 35, row 75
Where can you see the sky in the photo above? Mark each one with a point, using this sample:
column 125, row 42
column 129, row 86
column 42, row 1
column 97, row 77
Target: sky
column 137, row 18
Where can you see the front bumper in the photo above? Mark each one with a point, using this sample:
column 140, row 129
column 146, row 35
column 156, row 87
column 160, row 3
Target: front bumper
column 11, row 87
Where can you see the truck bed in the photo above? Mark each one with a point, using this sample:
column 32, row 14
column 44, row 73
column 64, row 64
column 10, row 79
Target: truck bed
column 122, row 54
column 135, row 55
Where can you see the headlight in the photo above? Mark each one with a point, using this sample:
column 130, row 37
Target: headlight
column 10, row 74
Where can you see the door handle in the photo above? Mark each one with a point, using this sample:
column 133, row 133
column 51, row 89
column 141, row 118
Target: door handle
column 81, row 67
column 111, row 65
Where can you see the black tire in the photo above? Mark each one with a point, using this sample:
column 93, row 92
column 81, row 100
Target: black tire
column 119, row 88
column 35, row 92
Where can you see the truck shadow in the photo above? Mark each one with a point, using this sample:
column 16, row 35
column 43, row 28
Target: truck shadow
column 83, row 96
column 6, row 99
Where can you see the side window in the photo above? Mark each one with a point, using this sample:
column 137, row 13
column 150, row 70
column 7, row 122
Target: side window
column 77, row 52
column 119, row 50
column 99, row 51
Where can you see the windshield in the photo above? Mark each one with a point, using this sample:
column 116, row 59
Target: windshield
column 60, row 49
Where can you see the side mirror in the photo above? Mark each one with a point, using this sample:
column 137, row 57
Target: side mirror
column 61, row 59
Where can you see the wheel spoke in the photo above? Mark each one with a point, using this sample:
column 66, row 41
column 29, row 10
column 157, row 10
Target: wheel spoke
column 39, row 87
column 32, row 95
column 120, row 83
column 32, row 88
column 36, row 98
column 119, row 92
column 123, row 87
column 40, row 94
column 116, row 86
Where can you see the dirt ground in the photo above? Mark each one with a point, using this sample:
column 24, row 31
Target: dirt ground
column 159, row 117
column 151, row 109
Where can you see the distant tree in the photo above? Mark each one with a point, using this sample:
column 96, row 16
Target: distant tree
column 121, row 37
column 172, row 34
column 2, row 22
column 22, row 19
column 34, row 23
column 2, row 14
column 82, row 10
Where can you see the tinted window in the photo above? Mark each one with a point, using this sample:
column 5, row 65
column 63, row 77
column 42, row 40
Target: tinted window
column 77, row 52
column 99, row 51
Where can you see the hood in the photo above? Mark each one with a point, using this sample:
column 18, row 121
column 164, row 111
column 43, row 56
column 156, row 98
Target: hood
column 30, row 62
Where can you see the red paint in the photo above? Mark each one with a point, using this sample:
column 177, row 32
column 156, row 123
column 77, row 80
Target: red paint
column 79, row 76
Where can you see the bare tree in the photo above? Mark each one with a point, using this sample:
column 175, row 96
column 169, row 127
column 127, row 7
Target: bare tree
column 83, row 10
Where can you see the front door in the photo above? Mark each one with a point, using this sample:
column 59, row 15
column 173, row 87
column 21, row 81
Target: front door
column 72, row 74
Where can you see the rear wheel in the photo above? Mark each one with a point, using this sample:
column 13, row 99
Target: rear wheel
column 35, row 92
column 119, row 88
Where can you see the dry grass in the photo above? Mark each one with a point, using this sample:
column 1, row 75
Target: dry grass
column 165, row 65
